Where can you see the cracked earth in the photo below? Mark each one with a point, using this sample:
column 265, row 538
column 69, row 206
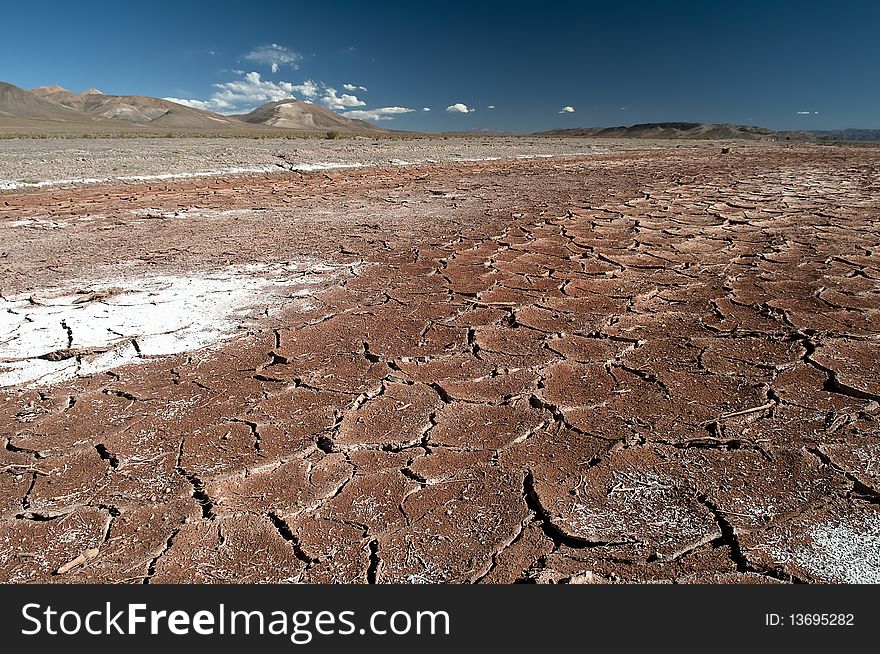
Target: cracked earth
column 639, row 366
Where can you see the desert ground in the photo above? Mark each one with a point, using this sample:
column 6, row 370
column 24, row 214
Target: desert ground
column 439, row 360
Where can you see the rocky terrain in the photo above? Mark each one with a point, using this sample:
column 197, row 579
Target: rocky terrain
column 29, row 163
column 638, row 364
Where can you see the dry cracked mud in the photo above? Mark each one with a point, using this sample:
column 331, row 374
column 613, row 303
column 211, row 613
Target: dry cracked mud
column 642, row 366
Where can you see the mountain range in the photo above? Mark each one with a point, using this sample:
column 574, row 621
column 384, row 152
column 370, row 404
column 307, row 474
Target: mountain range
column 53, row 108
column 56, row 107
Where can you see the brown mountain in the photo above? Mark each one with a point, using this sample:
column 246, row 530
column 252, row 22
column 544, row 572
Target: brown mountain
column 18, row 103
column 135, row 109
column 296, row 114
column 154, row 112
column 681, row 131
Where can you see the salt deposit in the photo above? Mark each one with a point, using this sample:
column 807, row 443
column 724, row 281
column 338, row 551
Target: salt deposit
column 52, row 335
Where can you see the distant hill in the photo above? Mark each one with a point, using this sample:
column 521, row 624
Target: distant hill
column 296, row 114
column 134, row 108
column 480, row 131
column 682, row 131
column 18, row 103
column 849, row 134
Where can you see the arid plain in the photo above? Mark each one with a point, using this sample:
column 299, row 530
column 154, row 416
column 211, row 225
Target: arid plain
column 439, row 360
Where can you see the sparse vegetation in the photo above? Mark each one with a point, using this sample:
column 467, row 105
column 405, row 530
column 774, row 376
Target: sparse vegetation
column 332, row 135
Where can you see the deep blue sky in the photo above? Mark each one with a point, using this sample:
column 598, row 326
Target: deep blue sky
column 613, row 62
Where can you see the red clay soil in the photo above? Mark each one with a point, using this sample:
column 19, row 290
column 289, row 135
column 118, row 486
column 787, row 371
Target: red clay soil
column 656, row 365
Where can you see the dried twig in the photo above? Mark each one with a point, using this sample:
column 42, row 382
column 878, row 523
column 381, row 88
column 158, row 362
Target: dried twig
column 85, row 556
column 754, row 409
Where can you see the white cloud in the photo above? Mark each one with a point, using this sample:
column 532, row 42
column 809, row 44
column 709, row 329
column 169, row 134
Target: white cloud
column 334, row 101
column 354, row 87
column 195, row 104
column 491, row 106
column 250, row 91
column 459, row 108
column 274, row 55
column 567, row 109
column 382, row 113
column 426, row 108
column 803, row 113
column 307, row 89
